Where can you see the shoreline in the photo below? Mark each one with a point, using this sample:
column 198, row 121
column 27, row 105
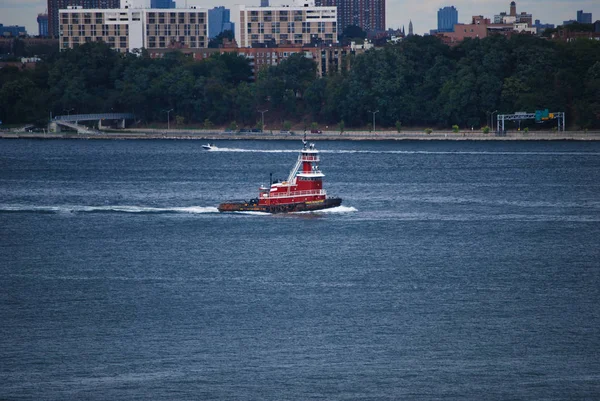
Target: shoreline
column 212, row 135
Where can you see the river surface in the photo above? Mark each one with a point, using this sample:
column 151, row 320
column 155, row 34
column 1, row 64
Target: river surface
column 452, row 271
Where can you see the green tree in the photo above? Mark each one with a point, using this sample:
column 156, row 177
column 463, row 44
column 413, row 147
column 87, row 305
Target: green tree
column 218, row 40
column 353, row 32
column 398, row 126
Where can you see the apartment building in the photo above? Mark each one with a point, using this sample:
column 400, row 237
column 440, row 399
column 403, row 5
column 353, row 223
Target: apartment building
column 328, row 58
column 369, row 15
column 298, row 24
column 54, row 7
column 128, row 29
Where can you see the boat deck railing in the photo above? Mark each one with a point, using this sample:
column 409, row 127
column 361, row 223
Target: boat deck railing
column 314, row 192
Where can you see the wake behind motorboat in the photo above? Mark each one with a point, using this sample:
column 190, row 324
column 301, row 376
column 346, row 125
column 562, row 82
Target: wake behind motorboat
column 208, row 146
column 302, row 191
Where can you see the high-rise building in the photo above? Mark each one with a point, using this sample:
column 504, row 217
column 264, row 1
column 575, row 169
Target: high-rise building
column 128, row 29
column 410, row 28
column 219, row 20
column 447, row 18
column 12, row 30
column 369, row 15
column 55, row 5
column 42, row 20
column 542, row 27
column 296, row 24
column 584, row 18
column 162, row 4
column 264, row 3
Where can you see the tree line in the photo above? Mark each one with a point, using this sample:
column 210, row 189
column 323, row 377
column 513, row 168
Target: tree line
column 420, row 82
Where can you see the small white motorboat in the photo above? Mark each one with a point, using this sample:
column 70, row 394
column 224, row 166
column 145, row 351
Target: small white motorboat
column 208, row 146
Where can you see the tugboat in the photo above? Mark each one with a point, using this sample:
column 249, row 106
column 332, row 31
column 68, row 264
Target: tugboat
column 302, row 191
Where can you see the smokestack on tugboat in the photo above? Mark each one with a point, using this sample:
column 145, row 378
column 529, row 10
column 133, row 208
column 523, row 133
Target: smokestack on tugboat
column 302, row 191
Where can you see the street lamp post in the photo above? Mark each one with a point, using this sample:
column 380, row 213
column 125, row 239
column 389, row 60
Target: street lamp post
column 168, row 118
column 374, row 112
column 69, row 111
column 262, row 119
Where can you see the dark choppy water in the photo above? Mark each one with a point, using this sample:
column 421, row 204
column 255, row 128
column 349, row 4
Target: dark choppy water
column 454, row 271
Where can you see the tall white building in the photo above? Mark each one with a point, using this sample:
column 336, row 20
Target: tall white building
column 296, row 24
column 134, row 27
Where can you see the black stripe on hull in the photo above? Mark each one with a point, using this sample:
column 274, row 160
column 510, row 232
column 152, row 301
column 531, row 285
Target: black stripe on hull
column 285, row 208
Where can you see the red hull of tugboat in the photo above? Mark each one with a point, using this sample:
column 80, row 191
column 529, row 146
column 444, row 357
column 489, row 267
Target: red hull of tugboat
column 302, row 191
column 242, row 206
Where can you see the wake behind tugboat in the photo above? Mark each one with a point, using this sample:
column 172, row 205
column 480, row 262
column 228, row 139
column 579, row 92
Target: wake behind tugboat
column 302, row 191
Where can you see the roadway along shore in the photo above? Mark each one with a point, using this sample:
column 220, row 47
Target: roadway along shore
column 214, row 135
